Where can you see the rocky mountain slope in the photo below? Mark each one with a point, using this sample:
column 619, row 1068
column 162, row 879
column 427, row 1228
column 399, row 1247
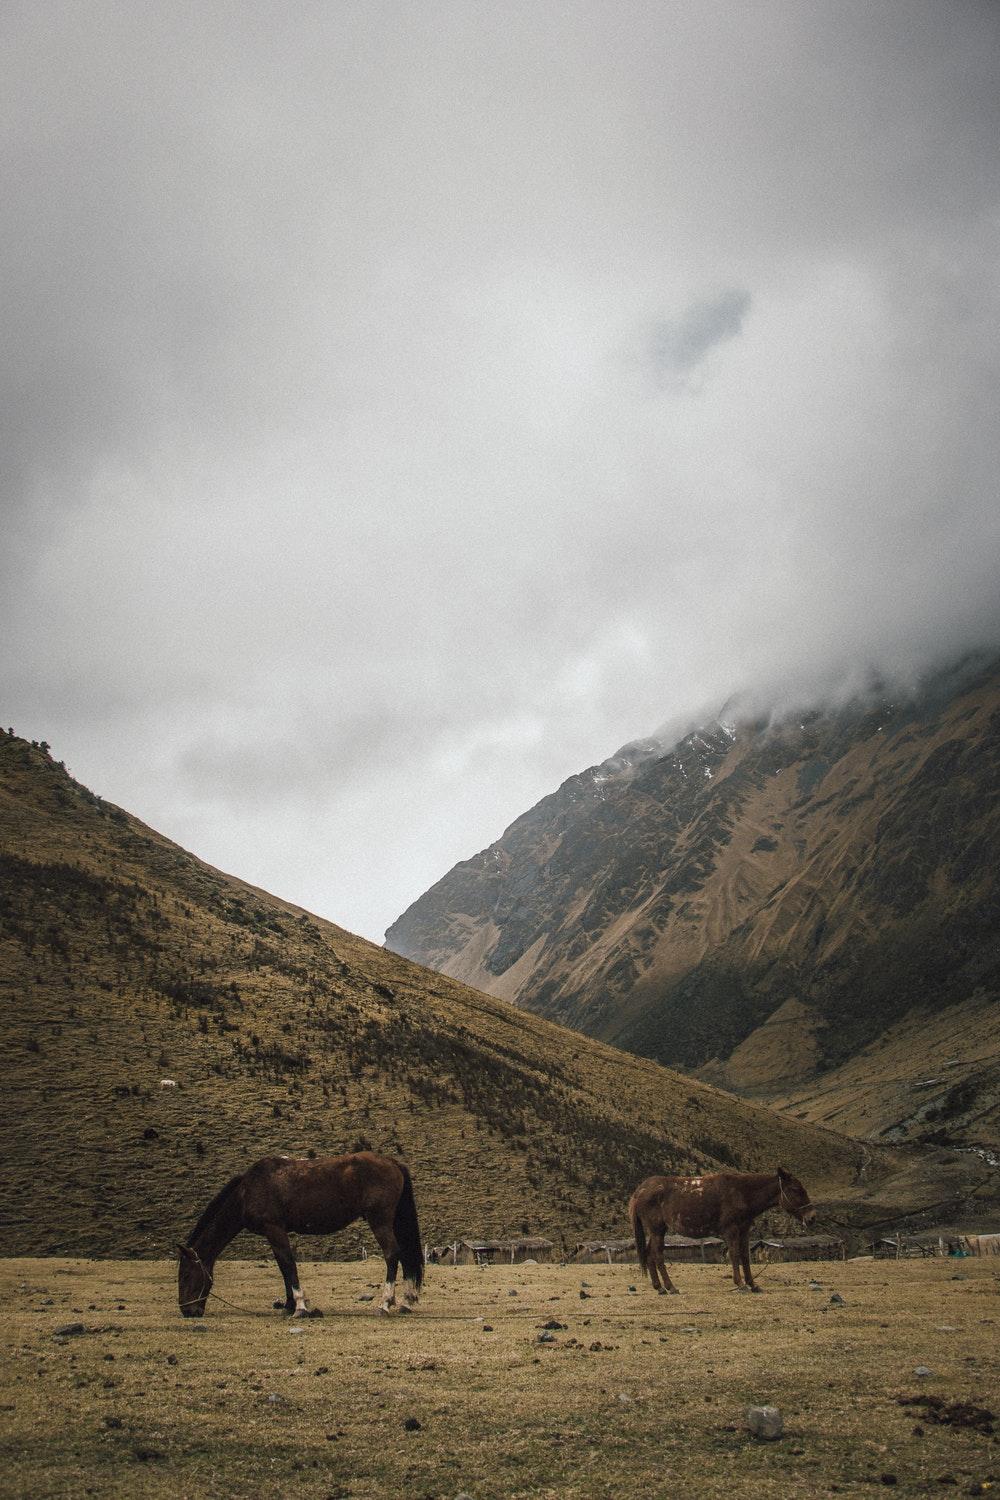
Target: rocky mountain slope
column 764, row 903
column 125, row 961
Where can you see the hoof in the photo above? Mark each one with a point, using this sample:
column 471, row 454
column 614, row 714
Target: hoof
column 302, row 1312
column 674, row 1291
column 384, row 1312
column 405, row 1307
column 661, row 1291
column 756, row 1288
column 280, row 1306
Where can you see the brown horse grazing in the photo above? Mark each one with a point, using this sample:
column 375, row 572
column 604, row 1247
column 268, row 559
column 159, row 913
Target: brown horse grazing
column 723, row 1203
column 316, row 1196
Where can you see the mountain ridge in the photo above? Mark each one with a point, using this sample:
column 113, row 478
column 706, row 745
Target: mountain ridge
column 835, row 866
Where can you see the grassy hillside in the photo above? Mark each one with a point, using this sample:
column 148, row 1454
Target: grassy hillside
column 764, row 902
column 124, row 960
column 930, row 1078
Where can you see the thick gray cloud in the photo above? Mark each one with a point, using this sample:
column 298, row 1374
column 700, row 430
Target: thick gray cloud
column 406, row 405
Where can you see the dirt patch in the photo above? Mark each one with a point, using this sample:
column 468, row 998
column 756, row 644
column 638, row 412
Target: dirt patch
column 953, row 1413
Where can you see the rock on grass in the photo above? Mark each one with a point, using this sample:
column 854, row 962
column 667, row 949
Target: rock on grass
column 765, row 1422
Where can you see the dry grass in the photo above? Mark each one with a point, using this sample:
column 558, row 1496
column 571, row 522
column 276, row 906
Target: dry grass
column 886, row 1092
column 244, row 1405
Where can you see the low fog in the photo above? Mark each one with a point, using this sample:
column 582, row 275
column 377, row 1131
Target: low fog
column 405, row 406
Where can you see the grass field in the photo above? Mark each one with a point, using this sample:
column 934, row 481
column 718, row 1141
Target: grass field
column 634, row 1395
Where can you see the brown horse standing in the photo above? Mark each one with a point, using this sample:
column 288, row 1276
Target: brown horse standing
column 316, row 1196
column 724, row 1203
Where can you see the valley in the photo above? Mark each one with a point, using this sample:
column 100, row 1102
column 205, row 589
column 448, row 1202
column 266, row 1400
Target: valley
column 127, row 964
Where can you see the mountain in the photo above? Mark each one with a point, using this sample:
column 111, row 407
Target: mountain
column 782, row 906
column 125, row 961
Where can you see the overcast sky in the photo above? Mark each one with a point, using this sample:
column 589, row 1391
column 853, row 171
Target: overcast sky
column 406, row 404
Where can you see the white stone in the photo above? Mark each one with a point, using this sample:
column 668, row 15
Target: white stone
column 765, row 1422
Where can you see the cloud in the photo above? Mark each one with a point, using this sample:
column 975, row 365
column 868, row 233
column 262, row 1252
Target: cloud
column 405, row 407
column 678, row 347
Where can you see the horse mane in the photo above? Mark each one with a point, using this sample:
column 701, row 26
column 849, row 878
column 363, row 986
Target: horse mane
column 214, row 1207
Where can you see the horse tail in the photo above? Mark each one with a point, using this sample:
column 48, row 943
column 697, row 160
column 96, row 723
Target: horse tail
column 407, row 1231
column 638, row 1231
column 215, row 1206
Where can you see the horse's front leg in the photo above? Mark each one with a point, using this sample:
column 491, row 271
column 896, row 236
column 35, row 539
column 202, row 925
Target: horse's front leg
column 745, row 1259
column 279, row 1242
column 733, row 1245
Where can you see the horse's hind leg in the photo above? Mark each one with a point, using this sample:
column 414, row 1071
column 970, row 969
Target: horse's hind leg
column 382, row 1229
column 667, row 1283
column 657, row 1268
column 279, row 1242
column 652, row 1257
column 408, row 1296
column 661, row 1267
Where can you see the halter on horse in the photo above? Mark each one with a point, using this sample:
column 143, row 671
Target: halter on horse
column 723, row 1203
column 317, row 1196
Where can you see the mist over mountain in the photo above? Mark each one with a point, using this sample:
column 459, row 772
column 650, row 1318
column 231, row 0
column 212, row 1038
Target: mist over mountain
column 405, row 405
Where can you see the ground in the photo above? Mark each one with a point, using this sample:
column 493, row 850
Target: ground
column 634, row 1394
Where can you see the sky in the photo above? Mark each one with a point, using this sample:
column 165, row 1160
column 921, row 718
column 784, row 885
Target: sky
column 407, row 404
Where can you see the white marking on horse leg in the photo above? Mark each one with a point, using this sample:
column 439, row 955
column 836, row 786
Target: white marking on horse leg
column 388, row 1297
column 409, row 1295
column 300, row 1303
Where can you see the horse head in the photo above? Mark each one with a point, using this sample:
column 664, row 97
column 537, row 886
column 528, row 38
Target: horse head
column 793, row 1197
column 194, row 1282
